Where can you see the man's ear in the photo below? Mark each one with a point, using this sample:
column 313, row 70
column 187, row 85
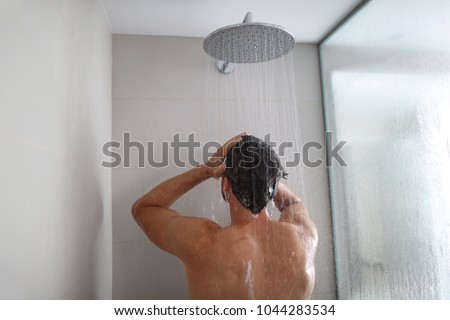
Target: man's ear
column 226, row 188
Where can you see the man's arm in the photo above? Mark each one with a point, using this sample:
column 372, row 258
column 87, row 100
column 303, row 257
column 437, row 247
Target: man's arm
column 166, row 193
column 167, row 228
column 292, row 209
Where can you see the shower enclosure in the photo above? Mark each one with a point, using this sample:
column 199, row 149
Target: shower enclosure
column 386, row 79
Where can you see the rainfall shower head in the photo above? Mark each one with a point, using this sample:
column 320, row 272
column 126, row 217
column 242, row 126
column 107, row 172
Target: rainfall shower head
column 249, row 42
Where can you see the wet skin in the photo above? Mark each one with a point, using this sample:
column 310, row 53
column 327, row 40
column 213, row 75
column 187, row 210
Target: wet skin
column 262, row 259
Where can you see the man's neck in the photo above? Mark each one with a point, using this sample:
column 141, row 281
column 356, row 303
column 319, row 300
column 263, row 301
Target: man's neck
column 242, row 216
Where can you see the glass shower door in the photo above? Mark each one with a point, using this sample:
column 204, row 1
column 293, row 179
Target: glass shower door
column 386, row 78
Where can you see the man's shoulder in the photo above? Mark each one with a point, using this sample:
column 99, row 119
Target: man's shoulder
column 303, row 225
column 200, row 226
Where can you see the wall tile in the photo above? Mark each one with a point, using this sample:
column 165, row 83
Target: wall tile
column 307, row 75
column 158, row 275
column 158, row 67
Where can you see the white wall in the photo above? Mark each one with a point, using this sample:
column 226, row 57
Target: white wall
column 160, row 88
column 55, row 115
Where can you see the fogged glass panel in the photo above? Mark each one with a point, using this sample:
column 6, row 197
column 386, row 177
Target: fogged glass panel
column 386, row 76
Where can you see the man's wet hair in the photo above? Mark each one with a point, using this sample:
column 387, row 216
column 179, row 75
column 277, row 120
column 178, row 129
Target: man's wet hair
column 254, row 170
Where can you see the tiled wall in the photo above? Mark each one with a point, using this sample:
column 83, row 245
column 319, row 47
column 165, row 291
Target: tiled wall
column 55, row 115
column 159, row 89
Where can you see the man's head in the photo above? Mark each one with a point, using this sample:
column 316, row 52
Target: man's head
column 253, row 170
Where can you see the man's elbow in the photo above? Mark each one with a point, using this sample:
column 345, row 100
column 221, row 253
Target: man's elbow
column 135, row 209
column 139, row 209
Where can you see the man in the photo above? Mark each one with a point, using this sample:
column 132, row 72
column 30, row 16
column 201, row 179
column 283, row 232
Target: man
column 255, row 257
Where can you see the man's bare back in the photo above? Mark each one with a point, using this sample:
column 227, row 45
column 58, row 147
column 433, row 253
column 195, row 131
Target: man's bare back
column 264, row 259
column 253, row 258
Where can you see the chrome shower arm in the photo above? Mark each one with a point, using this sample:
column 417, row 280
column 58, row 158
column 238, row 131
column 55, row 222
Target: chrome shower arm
column 248, row 18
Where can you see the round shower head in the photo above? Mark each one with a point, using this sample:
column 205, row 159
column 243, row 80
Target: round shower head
column 249, row 42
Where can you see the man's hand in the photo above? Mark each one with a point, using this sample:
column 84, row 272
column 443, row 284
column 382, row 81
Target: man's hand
column 215, row 164
column 285, row 197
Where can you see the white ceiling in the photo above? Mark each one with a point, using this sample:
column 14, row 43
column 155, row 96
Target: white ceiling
column 307, row 20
